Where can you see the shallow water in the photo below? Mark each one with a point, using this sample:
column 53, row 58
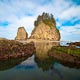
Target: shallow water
column 38, row 67
column 77, row 46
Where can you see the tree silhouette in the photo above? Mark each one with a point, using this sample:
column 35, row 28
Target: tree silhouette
column 45, row 18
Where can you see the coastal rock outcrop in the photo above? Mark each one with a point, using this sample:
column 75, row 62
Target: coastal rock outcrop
column 45, row 28
column 13, row 49
column 21, row 34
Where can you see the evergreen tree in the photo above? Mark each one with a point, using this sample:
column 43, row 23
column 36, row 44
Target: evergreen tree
column 46, row 18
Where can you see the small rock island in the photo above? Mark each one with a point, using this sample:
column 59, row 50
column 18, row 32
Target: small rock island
column 45, row 28
column 21, row 34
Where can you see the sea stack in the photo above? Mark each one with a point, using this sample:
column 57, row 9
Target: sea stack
column 45, row 28
column 21, row 34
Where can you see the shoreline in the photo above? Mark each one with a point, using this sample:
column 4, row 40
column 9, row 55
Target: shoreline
column 38, row 41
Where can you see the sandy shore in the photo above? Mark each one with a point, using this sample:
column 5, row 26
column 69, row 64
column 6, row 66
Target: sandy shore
column 35, row 41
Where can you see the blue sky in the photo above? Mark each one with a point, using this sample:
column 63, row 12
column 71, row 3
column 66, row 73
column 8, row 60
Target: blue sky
column 16, row 13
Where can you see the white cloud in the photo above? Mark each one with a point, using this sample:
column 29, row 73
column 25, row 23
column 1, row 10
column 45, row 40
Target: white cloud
column 73, row 11
column 70, row 32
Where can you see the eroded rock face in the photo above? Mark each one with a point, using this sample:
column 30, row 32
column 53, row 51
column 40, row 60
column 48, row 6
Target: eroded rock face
column 13, row 49
column 45, row 28
column 21, row 34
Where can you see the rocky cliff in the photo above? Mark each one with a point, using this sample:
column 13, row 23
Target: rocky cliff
column 45, row 28
column 21, row 34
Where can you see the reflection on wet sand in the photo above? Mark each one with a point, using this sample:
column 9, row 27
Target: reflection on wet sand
column 43, row 48
column 10, row 63
column 41, row 58
column 45, row 61
column 47, row 65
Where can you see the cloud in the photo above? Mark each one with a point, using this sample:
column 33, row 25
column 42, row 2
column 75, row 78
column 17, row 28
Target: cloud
column 70, row 33
column 11, row 30
column 73, row 11
column 24, row 12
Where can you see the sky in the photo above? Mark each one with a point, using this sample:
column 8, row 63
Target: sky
column 17, row 13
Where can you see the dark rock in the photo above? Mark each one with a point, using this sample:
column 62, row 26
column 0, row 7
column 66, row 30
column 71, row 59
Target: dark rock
column 14, row 49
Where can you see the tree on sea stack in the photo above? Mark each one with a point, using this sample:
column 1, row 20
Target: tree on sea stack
column 45, row 28
column 21, row 34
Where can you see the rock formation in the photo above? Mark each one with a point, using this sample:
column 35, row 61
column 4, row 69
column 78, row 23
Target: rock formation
column 21, row 34
column 45, row 28
column 13, row 49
